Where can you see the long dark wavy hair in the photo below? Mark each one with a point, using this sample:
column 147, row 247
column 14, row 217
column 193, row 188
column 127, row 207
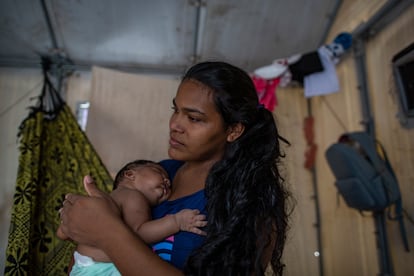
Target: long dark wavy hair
column 247, row 199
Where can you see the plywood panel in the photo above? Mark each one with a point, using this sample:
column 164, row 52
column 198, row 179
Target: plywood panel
column 349, row 238
column 302, row 243
column 352, row 13
column 129, row 116
column 334, row 115
column 78, row 88
column 398, row 141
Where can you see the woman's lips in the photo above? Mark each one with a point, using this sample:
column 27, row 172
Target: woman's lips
column 174, row 143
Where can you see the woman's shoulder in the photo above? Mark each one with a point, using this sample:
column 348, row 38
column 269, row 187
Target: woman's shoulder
column 171, row 166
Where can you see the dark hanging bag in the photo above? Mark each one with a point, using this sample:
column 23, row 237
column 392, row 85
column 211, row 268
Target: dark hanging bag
column 364, row 176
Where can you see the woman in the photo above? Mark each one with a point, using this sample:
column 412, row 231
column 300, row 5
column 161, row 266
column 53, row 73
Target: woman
column 228, row 146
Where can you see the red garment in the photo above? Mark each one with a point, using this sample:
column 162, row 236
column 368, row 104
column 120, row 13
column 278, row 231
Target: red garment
column 266, row 91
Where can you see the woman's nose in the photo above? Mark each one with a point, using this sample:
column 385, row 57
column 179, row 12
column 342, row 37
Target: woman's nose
column 175, row 123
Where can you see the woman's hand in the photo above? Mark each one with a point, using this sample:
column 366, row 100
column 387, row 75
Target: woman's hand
column 88, row 219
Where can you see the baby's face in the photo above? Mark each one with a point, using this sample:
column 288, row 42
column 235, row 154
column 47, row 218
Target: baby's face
column 152, row 180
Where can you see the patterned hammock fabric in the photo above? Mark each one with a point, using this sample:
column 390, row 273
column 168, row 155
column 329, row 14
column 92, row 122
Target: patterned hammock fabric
column 55, row 154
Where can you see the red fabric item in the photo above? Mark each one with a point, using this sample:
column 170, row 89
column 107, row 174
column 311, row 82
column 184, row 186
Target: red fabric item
column 266, row 91
column 310, row 153
column 310, row 156
column 308, row 129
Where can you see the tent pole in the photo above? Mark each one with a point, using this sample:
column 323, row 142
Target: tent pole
column 317, row 208
column 386, row 268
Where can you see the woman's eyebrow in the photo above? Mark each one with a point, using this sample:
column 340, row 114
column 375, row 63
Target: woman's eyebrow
column 189, row 109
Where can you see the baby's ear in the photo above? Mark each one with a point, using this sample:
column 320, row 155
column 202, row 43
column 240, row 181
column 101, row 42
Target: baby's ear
column 234, row 132
column 129, row 174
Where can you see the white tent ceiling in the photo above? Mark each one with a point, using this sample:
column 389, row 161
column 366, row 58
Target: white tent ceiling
column 161, row 35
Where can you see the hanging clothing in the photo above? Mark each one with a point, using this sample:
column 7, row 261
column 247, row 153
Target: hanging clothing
column 324, row 82
column 266, row 91
column 307, row 64
column 271, row 71
column 54, row 157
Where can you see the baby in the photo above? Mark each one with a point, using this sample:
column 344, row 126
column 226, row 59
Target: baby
column 139, row 186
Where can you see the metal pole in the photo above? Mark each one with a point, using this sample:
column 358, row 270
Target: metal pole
column 317, row 209
column 359, row 55
column 386, row 268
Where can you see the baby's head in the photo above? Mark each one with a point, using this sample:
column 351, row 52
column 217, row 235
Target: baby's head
column 146, row 176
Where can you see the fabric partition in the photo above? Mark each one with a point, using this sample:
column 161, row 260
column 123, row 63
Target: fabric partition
column 54, row 156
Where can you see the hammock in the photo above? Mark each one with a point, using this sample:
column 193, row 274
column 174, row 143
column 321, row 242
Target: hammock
column 55, row 154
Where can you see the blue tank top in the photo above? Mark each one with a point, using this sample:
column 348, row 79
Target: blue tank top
column 178, row 247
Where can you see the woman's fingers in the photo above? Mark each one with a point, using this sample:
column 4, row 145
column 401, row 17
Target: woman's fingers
column 60, row 234
column 90, row 187
column 64, row 229
column 69, row 199
column 84, row 217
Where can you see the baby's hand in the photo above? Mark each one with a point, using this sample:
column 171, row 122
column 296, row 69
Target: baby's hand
column 191, row 221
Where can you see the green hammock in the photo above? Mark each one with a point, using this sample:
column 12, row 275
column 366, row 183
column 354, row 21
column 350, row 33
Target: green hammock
column 55, row 154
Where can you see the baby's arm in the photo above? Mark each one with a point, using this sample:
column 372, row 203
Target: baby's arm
column 190, row 221
column 136, row 213
column 185, row 220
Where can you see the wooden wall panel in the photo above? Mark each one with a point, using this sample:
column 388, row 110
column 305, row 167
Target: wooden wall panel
column 397, row 140
column 349, row 238
column 78, row 89
column 302, row 237
column 347, row 249
column 352, row 13
column 129, row 115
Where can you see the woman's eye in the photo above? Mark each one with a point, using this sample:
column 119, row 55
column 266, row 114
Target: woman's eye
column 175, row 110
column 193, row 119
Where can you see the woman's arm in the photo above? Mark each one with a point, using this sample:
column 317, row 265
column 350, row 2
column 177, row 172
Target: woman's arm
column 95, row 221
column 133, row 257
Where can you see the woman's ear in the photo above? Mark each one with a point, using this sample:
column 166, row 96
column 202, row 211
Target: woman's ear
column 234, row 132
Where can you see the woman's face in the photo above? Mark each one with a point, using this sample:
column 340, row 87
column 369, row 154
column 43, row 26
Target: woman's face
column 197, row 131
